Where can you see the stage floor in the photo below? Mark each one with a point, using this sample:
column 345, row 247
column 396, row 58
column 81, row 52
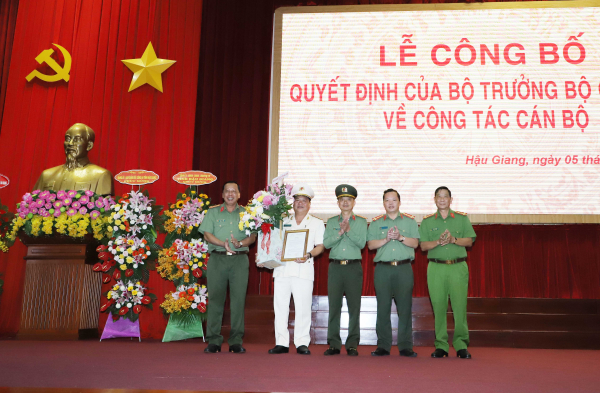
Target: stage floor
column 152, row 365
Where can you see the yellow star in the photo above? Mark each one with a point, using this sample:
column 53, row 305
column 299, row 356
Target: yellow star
column 147, row 69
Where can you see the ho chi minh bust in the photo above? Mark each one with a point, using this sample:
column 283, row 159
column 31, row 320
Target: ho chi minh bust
column 78, row 173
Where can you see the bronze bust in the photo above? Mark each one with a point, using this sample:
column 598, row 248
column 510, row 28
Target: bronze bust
column 78, row 173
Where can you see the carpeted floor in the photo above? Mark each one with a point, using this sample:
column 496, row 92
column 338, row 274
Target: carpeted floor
column 183, row 366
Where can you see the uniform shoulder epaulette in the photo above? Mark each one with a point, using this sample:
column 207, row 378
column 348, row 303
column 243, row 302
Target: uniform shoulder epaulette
column 316, row 217
column 364, row 218
column 378, row 217
column 461, row 213
column 429, row 215
column 213, row 206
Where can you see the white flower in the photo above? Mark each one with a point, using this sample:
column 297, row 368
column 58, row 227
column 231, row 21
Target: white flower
column 122, row 287
column 118, row 306
column 195, row 266
column 135, row 265
column 194, row 305
column 137, row 210
column 115, row 228
column 144, row 226
column 148, row 253
column 129, row 305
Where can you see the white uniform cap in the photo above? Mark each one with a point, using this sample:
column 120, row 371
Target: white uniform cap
column 303, row 189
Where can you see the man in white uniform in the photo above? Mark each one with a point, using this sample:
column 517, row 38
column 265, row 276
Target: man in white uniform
column 296, row 278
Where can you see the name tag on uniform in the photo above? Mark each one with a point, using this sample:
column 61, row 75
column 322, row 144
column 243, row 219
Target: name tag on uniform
column 434, row 229
column 337, row 229
column 223, row 220
column 287, row 225
column 383, row 227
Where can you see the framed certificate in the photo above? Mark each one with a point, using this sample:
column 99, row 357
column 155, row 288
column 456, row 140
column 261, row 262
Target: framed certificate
column 294, row 245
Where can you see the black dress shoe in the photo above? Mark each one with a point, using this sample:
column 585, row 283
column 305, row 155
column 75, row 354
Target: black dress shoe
column 352, row 352
column 279, row 349
column 380, row 352
column 439, row 353
column 212, row 348
column 408, row 353
column 463, row 354
column 331, row 351
column 237, row 348
column 303, row 350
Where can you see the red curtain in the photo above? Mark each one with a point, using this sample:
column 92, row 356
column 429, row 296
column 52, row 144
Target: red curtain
column 142, row 129
column 8, row 20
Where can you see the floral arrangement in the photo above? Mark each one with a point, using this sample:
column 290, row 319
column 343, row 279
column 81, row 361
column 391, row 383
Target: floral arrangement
column 68, row 213
column 266, row 209
column 127, row 299
column 182, row 259
column 6, row 219
column 187, row 304
column 132, row 245
column 183, row 218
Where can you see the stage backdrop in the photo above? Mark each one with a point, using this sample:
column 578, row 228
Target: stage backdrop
column 233, row 119
column 139, row 129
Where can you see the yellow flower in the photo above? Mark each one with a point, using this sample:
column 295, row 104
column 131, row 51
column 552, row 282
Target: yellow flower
column 190, row 263
column 129, row 260
column 193, row 192
column 130, row 242
column 200, row 264
column 109, row 295
column 123, row 267
column 134, row 292
column 130, row 288
column 184, row 195
column 118, row 222
column 115, row 287
column 122, row 227
column 195, row 259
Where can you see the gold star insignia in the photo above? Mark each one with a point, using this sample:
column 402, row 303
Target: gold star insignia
column 147, row 69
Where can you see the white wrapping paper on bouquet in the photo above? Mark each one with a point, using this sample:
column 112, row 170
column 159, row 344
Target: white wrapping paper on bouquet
column 269, row 248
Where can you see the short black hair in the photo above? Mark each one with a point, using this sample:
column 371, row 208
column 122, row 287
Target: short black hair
column 443, row 188
column 231, row 182
column 391, row 190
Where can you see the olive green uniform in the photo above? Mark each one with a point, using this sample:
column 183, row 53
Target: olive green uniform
column 449, row 279
column 394, row 281
column 345, row 277
column 225, row 269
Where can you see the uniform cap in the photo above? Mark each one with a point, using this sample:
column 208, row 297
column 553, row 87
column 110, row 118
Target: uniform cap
column 345, row 190
column 303, row 189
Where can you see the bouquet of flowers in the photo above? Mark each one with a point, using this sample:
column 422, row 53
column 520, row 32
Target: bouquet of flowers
column 6, row 219
column 182, row 258
column 69, row 213
column 183, row 218
column 263, row 215
column 126, row 299
column 187, row 304
column 132, row 244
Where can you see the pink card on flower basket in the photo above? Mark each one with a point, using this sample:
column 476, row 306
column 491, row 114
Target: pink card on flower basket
column 122, row 327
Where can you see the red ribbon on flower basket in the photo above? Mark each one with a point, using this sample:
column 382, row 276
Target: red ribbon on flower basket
column 266, row 230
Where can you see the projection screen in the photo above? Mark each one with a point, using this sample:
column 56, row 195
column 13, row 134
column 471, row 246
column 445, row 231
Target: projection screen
column 500, row 102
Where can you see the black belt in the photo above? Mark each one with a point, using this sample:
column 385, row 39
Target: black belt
column 344, row 261
column 396, row 263
column 228, row 253
column 448, row 262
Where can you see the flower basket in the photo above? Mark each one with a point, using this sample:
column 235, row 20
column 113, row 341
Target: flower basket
column 180, row 330
column 270, row 245
column 121, row 328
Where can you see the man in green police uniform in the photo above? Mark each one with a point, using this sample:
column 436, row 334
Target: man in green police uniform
column 345, row 235
column 395, row 236
column 228, row 248
column 444, row 235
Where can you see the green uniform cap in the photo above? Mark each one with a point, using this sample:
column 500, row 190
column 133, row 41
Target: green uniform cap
column 345, row 190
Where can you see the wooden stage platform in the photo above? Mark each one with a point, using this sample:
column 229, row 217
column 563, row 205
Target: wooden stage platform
column 493, row 322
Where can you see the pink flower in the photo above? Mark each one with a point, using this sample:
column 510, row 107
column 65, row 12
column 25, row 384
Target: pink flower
column 89, row 193
column 71, row 212
column 94, row 214
column 82, row 210
column 72, row 193
column 268, row 200
column 34, row 210
column 51, row 197
column 28, row 198
column 61, row 194
column 66, row 202
column 100, row 203
column 76, row 205
column 48, row 206
column 259, row 193
column 84, row 199
column 43, row 212
column 90, row 205
column 23, row 215
column 57, row 213
column 57, row 204
column 35, row 192
column 45, row 194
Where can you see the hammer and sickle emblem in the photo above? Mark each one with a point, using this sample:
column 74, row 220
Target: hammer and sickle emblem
column 61, row 72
